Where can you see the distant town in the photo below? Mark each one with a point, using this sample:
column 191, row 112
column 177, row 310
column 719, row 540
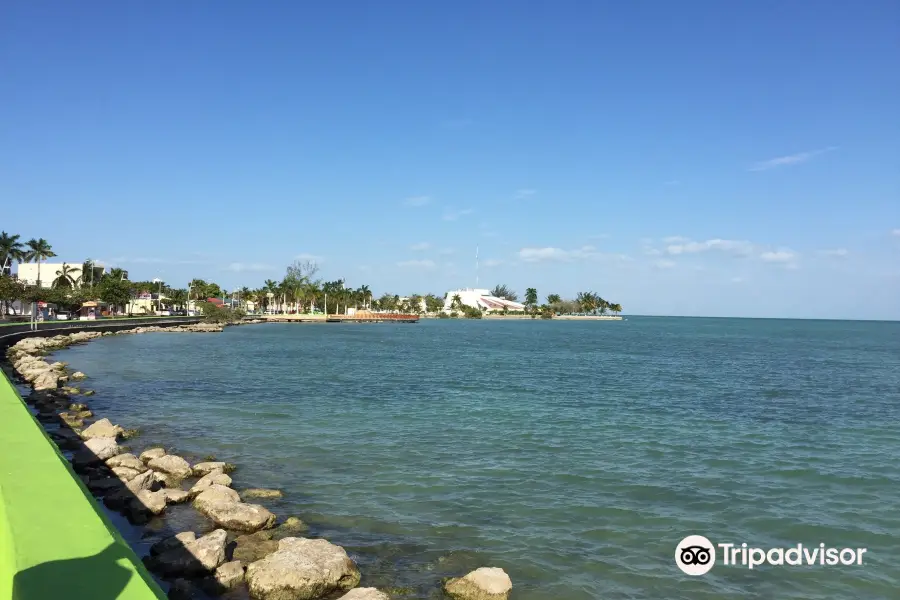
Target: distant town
column 33, row 287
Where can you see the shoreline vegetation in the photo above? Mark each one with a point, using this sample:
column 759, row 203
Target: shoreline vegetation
column 73, row 287
column 247, row 548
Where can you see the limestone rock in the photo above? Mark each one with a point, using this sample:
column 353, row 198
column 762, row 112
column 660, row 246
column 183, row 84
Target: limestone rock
column 261, row 493
column 253, row 547
column 145, row 481
column 151, row 453
column 144, row 504
column 365, row 594
column 176, row 496
column 102, row 429
column 204, row 468
column 212, row 478
column 290, row 528
column 126, row 460
column 486, row 583
column 171, row 543
column 302, row 569
column 215, row 494
column 171, row 465
column 230, row 574
column 96, row 450
column 239, row 516
column 47, row 380
column 198, row 557
column 125, row 473
column 78, row 375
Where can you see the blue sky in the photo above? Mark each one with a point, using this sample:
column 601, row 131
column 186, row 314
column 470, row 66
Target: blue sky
column 696, row 158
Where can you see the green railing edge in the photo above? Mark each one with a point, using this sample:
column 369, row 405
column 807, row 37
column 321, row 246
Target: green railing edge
column 9, row 564
column 98, row 322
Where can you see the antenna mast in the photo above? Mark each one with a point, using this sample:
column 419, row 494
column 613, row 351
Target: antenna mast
column 476, row 267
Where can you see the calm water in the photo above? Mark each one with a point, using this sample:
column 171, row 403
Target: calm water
column 573, row 454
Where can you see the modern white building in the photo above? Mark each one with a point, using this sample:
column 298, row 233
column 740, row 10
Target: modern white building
column 28, row 272
column 480, row 299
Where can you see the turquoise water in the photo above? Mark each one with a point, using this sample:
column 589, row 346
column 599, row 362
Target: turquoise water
column 575, row 455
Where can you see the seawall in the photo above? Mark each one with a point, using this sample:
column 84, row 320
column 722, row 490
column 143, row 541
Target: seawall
column 55, row 540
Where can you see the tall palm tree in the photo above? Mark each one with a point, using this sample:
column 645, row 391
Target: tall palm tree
column 39, row 250
column 553, row 299
column 66, row 276
column 366, row 295
column 117, row 274
column 11, row 249
column 456, row 302
column 531, row 298
column 87, row 274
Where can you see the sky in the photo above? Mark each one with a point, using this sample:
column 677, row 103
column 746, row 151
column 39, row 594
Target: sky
column 680, row 158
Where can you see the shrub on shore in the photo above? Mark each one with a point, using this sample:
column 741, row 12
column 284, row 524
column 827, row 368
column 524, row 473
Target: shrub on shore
column 213, row 313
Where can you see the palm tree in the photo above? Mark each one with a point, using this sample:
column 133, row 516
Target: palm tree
column 616, row 308
column 65, row 277
column 553, row 299
column 87, row 274
column 178, row 297
column 531, row 298
column 456, row 302
column 39, row 250
column 117, row 274
column 11, row 249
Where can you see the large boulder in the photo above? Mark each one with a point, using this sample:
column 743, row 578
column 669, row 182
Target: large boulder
column 175, row 496
column 171, row 464
column 486, row 583
column 238, row 516
column 125, row 473
column 102, row 429
column 47, row 380
column 261, row 493
column 144, row 504
column 198, row 557
column 96, row 450
column 126, row 460
column 212, row 478
column 302, row 569
column 229, row 574
column 151, row 453
column 204, row 468
column 215, row 494
column 364, row 594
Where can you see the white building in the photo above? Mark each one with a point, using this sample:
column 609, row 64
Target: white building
column 480, row 299
column 28, row 272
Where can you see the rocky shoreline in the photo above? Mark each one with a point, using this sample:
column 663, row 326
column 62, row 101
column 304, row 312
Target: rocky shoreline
column 248, row 547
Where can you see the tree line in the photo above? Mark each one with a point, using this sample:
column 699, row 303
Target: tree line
column 298, row 291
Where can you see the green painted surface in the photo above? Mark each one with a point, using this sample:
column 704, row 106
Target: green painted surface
column 55, row 541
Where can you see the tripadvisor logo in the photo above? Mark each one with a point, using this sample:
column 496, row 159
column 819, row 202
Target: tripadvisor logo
column 696, row 555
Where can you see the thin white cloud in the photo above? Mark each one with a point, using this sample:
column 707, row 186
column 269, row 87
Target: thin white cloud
column 737, row 247
column 779, row 256
column 453, row 215
column 418, row 201
column 664, row 264
column 303, row 256
column 524, row 193
column 649, row 251
column 420, row 246
column 416, row 264
column 835, row 253
column 791, row 159
column 551, row 254
column 896, row 232
column 676, row 239
column 493, row 262
column 447, row 251
column 144, row 260
column 241, row 267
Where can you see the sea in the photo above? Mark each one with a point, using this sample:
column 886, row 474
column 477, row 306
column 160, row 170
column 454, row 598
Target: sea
column 576, row 455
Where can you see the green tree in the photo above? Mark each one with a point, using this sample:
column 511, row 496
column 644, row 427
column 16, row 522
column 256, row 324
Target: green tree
column 10, row 291
column 178, row 297
column 553, row 299
column 39, row 250
column 531, row 298
column 616, row 308
column 433, row 304
column 456, row 302
column 501, row 291
column 11, row 250
column 66, row 277
column 115, row 291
